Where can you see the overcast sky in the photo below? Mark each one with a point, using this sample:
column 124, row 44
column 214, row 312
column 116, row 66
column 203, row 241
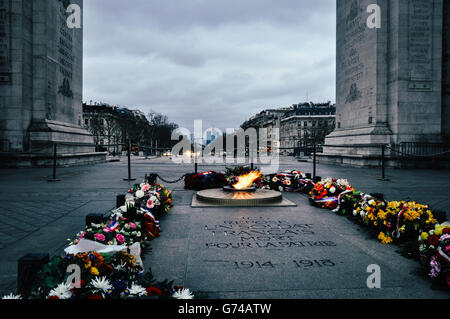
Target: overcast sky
column 220, row 61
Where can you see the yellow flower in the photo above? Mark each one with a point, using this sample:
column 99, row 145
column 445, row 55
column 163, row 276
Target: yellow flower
column 382, row 214
column 438, row 230
column 403, row 228
column 385, row 240
column 87, row 265
column 94, row 271
column 424, row 236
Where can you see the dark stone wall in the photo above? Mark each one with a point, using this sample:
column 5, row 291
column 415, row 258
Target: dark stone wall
column 446, row 72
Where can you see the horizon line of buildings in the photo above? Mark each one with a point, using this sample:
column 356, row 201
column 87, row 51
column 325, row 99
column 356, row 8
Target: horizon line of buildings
column 300, row 125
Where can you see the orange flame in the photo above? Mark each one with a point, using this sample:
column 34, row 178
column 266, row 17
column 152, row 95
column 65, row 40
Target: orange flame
column 247, row 180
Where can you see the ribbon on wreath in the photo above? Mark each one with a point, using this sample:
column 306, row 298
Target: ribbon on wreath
column 151, row 225
column 396, row 233
column 113, row 225
column 339, row 201
column 327, row 200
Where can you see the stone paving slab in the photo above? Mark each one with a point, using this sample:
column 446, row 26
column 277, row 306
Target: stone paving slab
column 301, row 252
column 60, row 208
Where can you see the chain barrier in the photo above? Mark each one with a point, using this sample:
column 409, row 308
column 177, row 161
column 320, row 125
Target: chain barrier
column 421, row 156
column 171, row 182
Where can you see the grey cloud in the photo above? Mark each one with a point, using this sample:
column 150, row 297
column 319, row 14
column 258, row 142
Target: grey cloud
column 220, row 61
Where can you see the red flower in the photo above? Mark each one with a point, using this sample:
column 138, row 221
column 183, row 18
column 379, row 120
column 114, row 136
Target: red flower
column 446, row 231
column 53, row 297
column 95, row 297
column 154, row 291
column 433, row 240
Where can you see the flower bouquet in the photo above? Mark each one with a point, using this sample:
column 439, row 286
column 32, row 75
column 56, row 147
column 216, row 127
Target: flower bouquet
column 288, row 181
column 204, row 180
column 325, row 193
column 154, row 198
column 103, row 276
column 434, row 250
column 348, row 202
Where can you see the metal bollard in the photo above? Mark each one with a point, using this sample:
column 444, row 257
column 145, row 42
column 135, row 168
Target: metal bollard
column 120, row 200
column 129, row 164
column 94, row 219
column 28, row 267
column 314, row 159
column 152, row 179
column 317, row 179
column 383, row 164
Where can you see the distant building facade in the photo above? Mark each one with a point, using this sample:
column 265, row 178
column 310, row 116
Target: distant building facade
column 299, row 126
column 305, row 125
column 104, row 123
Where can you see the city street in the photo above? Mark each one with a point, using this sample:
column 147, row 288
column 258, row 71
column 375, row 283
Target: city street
column 321, row 256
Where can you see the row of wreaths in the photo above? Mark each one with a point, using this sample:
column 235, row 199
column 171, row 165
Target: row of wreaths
column 420, row 232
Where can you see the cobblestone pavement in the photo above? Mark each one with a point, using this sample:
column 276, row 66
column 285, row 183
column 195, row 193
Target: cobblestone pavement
column 38, row 216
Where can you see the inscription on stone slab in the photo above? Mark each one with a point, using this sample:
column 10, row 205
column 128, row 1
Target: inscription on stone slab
column 446, row 57
column 65, row 52
column 5, row 42
column 356, row 68
column 251, row 244
column 420, row 44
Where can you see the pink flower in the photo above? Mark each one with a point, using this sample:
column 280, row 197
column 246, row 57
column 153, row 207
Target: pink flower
column 106, row 230
column 120, row 238
column 145, row 188
column 82, row 235
column 150, row 204
column 100, row 237
column 132, row 225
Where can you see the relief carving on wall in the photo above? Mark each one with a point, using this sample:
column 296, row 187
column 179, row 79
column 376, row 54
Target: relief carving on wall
column 354, row 94
column 65, row 90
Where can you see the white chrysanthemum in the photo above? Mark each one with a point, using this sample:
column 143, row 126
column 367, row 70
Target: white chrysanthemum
column 183, row 294
column 62, row 291
column 333, row 190
column 123, row 208
column 12, row 296
column 101, row 284
column 355, row 212
column 342, row 182
column 137, row 290
column 140, row 194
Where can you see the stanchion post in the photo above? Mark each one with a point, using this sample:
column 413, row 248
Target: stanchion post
column 314, row 159
column 152, row 178
column 55, row 160
column 383, row 164
column 28, row 267
column 120, row 200
column 129, row 164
